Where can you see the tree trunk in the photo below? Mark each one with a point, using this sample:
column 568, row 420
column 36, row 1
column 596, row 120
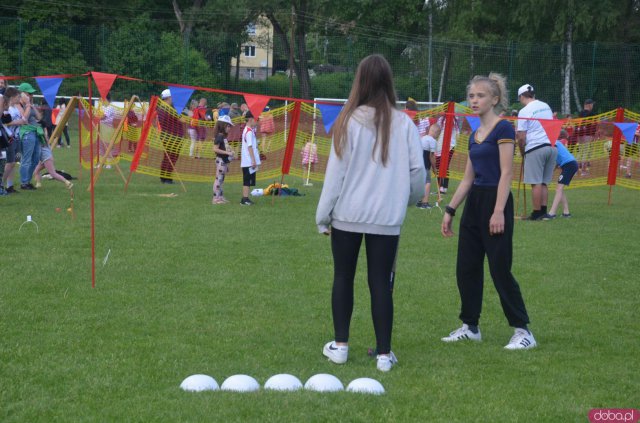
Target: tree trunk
column 299, row 67
column 574, row 85
column 566, row 93
column 563, row 63
column 302, row 67
column 186, row 26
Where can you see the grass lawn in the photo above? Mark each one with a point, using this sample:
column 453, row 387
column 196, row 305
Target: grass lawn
column 189, row 288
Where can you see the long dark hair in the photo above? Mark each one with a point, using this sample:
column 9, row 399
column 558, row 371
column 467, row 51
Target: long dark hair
column 372, row 86
column 221, row 127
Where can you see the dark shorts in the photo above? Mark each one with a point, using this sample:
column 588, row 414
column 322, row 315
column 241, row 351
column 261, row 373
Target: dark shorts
column 248, row 178
column 12, row 149
column 568, row 170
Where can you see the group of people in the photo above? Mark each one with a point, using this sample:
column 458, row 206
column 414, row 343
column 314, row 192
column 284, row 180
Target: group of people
column 173, row 132
column 24, row 138
column 377, row 168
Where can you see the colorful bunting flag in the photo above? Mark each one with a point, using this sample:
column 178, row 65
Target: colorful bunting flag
column 329, row 114
column 552, row 127
column 474, row 122
column 256, row 103
column 411, row 113
column 104, row 82
column 628, row 130
column 180, row 97
column 49, row 88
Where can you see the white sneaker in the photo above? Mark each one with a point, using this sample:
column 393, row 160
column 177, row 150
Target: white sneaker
column 463, row 333
column 336, row 353
column 521, row 340
column 386, row 362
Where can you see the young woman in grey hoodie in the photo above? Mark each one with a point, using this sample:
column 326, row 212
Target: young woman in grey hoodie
column 375, row 171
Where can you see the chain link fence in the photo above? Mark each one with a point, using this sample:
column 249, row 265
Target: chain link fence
column 427, row 70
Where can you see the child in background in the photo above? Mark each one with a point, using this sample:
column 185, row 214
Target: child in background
column 429, row 145
column 569, row 166
column 46, row 162
column 309, row 155
column 223, row 156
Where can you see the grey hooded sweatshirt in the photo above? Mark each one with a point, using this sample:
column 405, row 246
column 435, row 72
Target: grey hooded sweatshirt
column 359, row 193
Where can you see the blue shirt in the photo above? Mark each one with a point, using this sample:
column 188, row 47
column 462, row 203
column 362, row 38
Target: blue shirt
column 485, row 156
column 564, row 156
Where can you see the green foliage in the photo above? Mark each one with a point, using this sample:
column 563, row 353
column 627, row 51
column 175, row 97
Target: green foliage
column 48, row 51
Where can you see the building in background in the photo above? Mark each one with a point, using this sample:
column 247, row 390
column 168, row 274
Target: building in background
column 256, row 55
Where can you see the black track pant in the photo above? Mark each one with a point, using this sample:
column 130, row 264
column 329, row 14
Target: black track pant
column 381, row 253
column 474, row 243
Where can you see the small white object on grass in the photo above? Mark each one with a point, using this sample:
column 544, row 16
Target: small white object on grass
column 29, row 220
column 240, row 383
column 104, row 261
column 199, row 383
column 258, row 192
column 323, row 382
column 365, row 385
column 283, row 382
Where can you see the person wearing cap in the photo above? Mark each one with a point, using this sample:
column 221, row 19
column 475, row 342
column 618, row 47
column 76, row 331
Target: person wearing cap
column 31, row 135
column 171, row 135
column 250, row 158
column 586, row 134
column 234, row 112
column 223, row 157
column 538, row 154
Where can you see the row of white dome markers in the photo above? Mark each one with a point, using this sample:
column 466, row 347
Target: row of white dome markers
column 281, row 382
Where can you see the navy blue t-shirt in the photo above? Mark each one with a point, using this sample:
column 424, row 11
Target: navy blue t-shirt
column 485, row 156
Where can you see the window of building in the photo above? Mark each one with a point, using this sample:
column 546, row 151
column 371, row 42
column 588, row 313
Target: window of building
column 250, row 51
column 251, row 28
column 251, row 73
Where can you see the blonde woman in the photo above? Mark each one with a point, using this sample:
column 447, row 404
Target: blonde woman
column 486, row 225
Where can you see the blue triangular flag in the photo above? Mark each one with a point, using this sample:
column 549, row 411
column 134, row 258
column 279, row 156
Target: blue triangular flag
column 474, row 122
column 180, row 97
column 628, row 130
column 49, row 88
column 329, row 114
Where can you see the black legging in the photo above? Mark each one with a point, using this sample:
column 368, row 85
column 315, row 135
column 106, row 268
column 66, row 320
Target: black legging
column 381, row 254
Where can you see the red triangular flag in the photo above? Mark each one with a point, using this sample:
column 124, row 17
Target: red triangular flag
column 104, row 81
column 552, row 127
column 256, row 103
column 411, row 113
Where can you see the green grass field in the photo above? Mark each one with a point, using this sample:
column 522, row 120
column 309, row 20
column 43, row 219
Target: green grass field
column 194, row 288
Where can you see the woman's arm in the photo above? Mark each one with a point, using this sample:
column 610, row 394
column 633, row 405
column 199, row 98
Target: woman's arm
column 458, row 197
column 496, row 223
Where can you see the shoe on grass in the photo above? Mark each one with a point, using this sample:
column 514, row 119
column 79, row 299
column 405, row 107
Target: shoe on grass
column 386, row 361
column 566, row 214
column 548, row 217
column 522, row 339
column 463, row 333
column 336, row 353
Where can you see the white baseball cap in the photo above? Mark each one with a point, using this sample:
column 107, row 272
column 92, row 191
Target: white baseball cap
column 225, row 119
column 525, row 88
column 166, row 93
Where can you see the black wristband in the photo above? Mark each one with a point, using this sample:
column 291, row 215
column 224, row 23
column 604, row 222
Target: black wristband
column 450, row 210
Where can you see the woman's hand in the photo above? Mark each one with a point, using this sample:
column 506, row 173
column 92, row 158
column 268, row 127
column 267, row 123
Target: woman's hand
column 445, row 229
column 496, row 223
